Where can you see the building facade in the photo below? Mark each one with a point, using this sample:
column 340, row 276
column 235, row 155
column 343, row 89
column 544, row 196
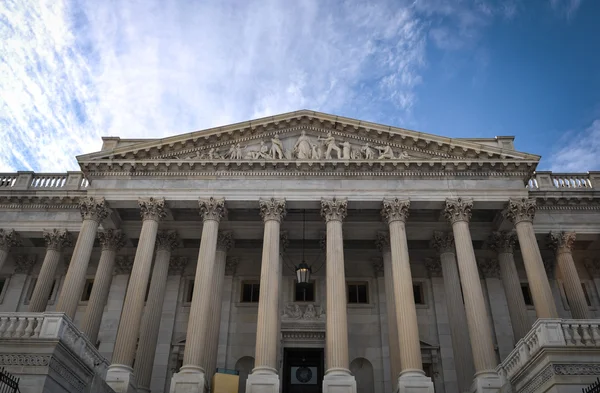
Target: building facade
column 431, row 258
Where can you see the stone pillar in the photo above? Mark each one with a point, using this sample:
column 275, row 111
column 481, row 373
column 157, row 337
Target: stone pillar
column 443, row 243
column 56, row 240
column 111, row 241
column 264, row 378
column 593, row 268
column 458, row 213
column 166, row 242
column 521, row 212
column 93, row 212
column 562, row 244
column 8, row 239
column 503, row 243
column 383, row 243
column 120, row 373
column 412, row 377
column 337, row 376
column 192, row 376
column 224, row 243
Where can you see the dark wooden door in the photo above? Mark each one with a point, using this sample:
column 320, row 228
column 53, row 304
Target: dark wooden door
column 303, row 370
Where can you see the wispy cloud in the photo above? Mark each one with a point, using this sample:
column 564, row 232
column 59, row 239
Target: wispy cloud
column 578, row 151
column 566, row 8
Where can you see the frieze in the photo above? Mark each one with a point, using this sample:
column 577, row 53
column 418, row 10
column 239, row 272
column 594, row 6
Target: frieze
column 24, row 359
column 592, row 266
column 434, row 267
column 177, row 265
column 123, row 264
column 310, row 312
column 67, row 374
column 24, row 263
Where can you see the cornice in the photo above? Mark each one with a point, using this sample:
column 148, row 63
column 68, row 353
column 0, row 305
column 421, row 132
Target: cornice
column 572, row 202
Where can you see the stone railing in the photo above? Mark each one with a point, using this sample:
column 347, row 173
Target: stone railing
column 43, row 181
column 39, row 327
column 551, row 333
column 549, row 181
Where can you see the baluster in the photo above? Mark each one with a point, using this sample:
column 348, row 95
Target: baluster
column 3, row 325
column 38, row 326
column 595, row 334
column 567, row 333
column 29, row 328
column 576, row 335
column 585, row 333
column 20, row 330
column 10, row 332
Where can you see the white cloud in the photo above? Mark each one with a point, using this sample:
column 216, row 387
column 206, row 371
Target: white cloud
column 578, row 151
column 567, row 8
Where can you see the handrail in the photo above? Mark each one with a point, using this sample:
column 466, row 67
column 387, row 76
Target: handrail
column 556, row 181
column 43, row 181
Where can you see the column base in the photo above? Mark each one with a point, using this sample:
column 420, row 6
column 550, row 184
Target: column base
column 488, row 382
column 262, row 381
column 414, row 382
column 120, row 378
column 339, row 381
column 189, row 379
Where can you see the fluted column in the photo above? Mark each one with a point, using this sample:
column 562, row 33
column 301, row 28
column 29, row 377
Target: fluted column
column 56, row 240
column 119, row 375
column 8, row 239
column 224, row 243
column 521, row 212
column 264, row 373
column 443, row 243
column 383, row 243
column 192, row 376
column 503, row 243
column 166, row 242
column 111, row 241
column 562, row 244
column 458, row 213
column 93, row 212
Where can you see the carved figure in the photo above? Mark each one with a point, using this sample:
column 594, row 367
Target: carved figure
column 263, row 152
column 329, row 141
column 356, row 153
column 276, row 148
column 368, row 152
column 316, row 151
column 302, row 147
column 385, row 152
column 239, row 152
column 231, row 152
column 345, row 150
column 310, row 313
column 403, row 155
column 211, row 153
column 292, row 311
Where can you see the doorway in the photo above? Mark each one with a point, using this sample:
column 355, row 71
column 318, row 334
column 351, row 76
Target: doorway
column 303, row 370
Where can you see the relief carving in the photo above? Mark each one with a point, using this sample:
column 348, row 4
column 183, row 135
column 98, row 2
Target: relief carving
column 8, row 239
column 311, row 312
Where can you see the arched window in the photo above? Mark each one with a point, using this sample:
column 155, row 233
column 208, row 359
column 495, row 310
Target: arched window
column 363, row 372
column 244, row 365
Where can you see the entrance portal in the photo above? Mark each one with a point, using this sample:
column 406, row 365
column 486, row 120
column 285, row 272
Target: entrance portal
column 303, row 370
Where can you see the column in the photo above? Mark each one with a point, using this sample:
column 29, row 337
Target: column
column 111, row 241
column 443, row 243
column 562, row 244
column 120, row 373
column 224, row 243
column 93, row 212
column 8, row 239
column 264, row 378
column 458, row 213
column 56, row 240
column 337, row 377
column 166, row 242
column 521, row 212
column 412, row 377
column 192, row 376
column 503, row 243
column 383, row 243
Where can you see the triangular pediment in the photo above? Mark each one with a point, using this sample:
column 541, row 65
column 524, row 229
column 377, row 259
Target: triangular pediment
column 302, row 138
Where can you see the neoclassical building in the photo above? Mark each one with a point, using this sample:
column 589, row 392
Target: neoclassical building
column 304, row 252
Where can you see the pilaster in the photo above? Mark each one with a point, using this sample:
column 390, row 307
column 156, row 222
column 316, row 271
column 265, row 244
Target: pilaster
column 8, row 239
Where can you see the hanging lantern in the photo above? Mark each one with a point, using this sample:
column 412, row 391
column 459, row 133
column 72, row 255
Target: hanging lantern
column 303, row 273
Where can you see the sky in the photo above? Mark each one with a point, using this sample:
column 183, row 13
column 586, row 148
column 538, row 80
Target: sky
column 74, row 71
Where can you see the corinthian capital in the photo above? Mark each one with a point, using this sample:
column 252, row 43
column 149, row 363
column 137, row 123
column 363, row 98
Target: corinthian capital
column 57, row 239
column 561, row 241
column 382, row 240
column 167, row 241
column 152, row 208
column 521, row 209
column 334, row 209
column 489, row 267
column 123, row 264
column 272, row 209
column 443, row 242
column 93, row 208
column 395, row 209
column 8, row 239
column 434, row 267
column 177, row 265
column 458, row 210
column 111, row 239
column 224, row 240
column 503, row 242
column 212, row 209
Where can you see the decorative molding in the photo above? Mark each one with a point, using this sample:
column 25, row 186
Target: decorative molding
column 93, row 208
column 60, row 201
column 8, row 239
column 225, row 240
column 561, row 242
column 377, row 264
column 152, row 208
column 577, row 369
column 434, row 267
column 167, row 240
column 57, row 239
column 334, row 209
column 490, row 268
column 123, row 264
column 443, row 242
column 503, row 242
column 574, row 202
column 521, row 209
column 177, row 265
column 382, row 241
column 212, row 209
column 458, row 209
column 553, row 369
column 395, row 209
column 292, row 335
column 272, row 209
column 231, row 264
column 68, row 375
column 24, row 263
column 111, row 239
column 310, row 312
column 24, row 359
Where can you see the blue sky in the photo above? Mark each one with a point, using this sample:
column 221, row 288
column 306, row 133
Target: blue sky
column 73, row 71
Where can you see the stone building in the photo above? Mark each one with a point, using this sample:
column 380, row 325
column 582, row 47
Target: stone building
column 430, row 260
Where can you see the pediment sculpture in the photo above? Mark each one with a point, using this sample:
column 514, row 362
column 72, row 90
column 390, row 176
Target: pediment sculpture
column 309, row 312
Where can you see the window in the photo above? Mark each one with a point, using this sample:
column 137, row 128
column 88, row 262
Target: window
column 304, row 292
column 419, row 293
column 189, row 291
column 587, row 296
column 32, row 287
column 87, row 290
column 358, row 293
column 250, row 291
column 526, row 294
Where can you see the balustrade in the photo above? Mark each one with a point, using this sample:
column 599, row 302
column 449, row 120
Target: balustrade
column 7, row 180
column 547, row 181
column 43, row 181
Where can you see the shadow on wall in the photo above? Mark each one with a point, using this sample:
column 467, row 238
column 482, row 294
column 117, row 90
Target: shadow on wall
column 363, row 372
column 244, row 365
